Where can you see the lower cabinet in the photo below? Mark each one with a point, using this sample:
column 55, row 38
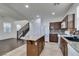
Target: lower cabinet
column 34, row 48
column 72, row 51
column 63, row 47
column 53, row 38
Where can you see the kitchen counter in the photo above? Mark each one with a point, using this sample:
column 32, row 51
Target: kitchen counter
column 32, row 37
column 73, row 44
column 35, row 45
column 35, row 37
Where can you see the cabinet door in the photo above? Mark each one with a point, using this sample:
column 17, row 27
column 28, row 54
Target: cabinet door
column 71, row 22
column 53, row 38
column 65, row 50
column 72, row 51
column 63, row 47
column 32, row 49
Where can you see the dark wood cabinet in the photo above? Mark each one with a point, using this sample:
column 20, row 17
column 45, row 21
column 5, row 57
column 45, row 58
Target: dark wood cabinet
column 34, row 48
column 55, row 26
column 68, row 23
column 53, row 38
column 63, row 47
column 64, row 23
column 71, row 23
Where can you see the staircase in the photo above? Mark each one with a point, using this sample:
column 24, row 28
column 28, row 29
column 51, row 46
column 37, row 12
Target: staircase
column 23, row 31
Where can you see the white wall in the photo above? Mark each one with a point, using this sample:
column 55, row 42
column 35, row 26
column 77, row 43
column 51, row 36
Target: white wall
column 21, row 22
column 13, row 32
column 4, row 35
column 35, row 27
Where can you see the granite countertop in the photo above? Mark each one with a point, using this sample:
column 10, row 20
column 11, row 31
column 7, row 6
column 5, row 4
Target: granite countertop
column 32, row 37
column 74, row 45
column 35, row 37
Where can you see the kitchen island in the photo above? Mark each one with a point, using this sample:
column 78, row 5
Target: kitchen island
column 35, row 45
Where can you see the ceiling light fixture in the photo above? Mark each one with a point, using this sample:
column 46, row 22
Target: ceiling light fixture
column 53, row 13
column 27, row 6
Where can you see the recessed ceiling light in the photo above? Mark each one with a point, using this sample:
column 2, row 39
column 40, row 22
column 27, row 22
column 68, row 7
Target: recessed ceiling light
column 27, row 6
column 53, row 13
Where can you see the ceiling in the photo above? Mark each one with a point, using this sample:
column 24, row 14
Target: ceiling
column 5, row 11
column 44, row 10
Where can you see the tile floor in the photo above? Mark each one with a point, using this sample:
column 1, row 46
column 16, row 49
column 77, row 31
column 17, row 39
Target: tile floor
column 50, row 49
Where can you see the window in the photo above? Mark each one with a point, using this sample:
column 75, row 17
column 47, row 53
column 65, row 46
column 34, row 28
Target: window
column 7, row 27
column 18, row 26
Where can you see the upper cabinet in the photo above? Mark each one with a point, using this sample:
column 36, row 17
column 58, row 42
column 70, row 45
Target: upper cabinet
column 71, row 21
column 54, row 26
column 64, row 23
column 68, row 23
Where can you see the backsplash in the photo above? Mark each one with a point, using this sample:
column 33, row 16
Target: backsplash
column 76, row 33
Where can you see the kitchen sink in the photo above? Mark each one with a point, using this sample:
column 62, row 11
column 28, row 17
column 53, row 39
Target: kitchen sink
column 73, row 39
